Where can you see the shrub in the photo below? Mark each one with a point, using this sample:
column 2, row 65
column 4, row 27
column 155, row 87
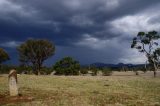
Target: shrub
column 83, row 71
column 46, row 70
column 107, row 72
column 94, row 70
column 67, row 66
column 136, row 72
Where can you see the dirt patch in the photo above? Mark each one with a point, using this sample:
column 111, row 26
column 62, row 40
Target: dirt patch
column 1, row 96
column 7, row 99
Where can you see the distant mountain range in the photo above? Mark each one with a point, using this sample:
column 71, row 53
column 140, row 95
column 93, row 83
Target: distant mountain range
column 98, row 65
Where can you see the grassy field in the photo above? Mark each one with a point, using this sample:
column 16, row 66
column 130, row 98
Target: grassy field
column 121, row 89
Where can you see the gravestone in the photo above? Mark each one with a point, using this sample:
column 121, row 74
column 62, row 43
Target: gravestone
column 13, row 88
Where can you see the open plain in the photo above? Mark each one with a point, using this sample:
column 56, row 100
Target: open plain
column 120, row 89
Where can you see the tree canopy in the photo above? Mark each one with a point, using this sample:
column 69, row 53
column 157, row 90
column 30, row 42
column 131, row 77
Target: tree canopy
column 67, row 66
column 35, row 52
column 3, row 55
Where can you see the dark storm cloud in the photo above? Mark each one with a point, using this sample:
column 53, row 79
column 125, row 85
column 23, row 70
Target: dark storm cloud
column 94, row 24
column 69, row 18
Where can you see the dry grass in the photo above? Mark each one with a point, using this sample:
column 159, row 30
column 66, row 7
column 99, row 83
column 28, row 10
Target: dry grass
column 121, row 89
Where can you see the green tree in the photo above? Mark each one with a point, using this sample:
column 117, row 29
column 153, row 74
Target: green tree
column 67, row 66
column 147, row 43
column 3, row 56
column 35, row 52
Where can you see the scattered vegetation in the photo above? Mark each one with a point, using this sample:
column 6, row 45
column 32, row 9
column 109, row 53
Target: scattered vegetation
column 131, row 90
column 128, row 90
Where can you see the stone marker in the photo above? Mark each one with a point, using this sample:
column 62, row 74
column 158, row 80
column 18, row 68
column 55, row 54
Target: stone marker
column 13, row 88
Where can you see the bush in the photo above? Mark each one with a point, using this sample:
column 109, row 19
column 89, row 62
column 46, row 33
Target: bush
column 4, row 69
column 84, row 71
column 22, row 69
column 94, row 70
column 136, row 72
column 67, row 66
column 46, row 70
column 107, row 72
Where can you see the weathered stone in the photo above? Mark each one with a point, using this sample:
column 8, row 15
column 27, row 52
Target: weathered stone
column 13, row 88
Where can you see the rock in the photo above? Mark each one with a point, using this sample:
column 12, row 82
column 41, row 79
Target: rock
column 12, row 78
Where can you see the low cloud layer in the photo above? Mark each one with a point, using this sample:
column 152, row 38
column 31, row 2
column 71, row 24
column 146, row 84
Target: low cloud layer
column 88, row 30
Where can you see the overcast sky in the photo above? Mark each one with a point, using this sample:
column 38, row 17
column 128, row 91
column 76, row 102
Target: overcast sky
column 88, row 30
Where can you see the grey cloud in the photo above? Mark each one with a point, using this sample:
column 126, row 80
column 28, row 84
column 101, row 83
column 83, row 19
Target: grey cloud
column 10, row 44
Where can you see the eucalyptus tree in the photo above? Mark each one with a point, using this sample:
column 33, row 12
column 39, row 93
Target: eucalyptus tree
column 147, row 43
column 35, row 52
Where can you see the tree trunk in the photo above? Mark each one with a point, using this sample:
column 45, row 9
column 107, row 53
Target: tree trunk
column 155, row 73
column 38, row 71
column 155, row 69
column 145, row 67
column 39, row 68
column 0, row 67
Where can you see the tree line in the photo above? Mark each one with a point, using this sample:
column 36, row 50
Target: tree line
column 34, row 52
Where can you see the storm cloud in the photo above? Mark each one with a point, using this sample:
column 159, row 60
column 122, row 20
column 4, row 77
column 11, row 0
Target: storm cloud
column 88, row 30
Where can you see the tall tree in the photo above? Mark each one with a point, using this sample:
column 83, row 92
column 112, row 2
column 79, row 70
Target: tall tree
column 35, row 52
column 147, row 43
column 3, row 56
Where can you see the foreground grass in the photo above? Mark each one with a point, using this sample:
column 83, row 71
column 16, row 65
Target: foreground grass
column 86, row 90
